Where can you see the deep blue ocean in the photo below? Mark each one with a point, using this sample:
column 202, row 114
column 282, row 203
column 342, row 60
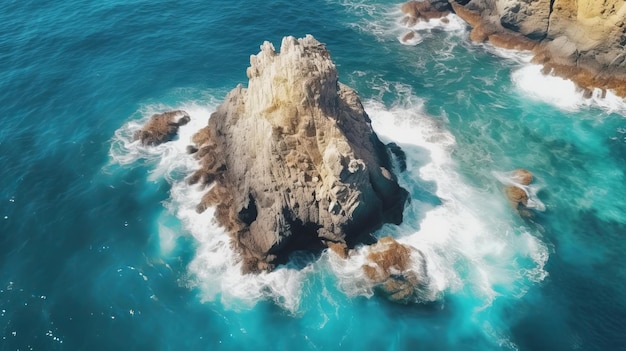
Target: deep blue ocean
column 101, row 249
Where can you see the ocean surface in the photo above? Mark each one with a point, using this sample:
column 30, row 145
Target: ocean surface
column 101, row 249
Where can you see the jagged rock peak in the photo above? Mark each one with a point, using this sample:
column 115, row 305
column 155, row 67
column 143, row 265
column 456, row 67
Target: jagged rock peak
column 294, row 160
column 301, row 75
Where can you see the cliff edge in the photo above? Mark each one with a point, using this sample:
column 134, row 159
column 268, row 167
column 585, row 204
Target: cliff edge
column 292, row 160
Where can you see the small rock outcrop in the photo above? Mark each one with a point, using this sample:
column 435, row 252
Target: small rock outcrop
column 162, row 127
column 390, row 267
column 582, row 40
column 416, row 11
column 517, row 196
column 293, row 161
column 423, row 11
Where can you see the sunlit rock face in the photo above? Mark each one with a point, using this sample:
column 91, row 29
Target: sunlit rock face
column 582, row 40
column 293, row 161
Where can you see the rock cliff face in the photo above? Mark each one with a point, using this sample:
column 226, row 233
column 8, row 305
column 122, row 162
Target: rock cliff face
column 579, row 39
column 293, row 161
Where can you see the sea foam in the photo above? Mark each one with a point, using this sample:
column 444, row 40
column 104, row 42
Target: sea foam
column 466, row 237
column 561, row 92
column 215, row 268
column 469, row 240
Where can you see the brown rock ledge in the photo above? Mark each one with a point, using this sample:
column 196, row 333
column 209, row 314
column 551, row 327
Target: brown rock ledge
column 581, row 40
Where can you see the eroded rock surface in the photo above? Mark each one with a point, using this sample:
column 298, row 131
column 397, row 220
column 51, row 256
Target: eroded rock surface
column 162, row 127
column 416, row 11
column 391, row 267
column 293, row 159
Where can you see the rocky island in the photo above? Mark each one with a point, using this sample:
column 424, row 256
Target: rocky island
column 582, row 40
column 291, row 162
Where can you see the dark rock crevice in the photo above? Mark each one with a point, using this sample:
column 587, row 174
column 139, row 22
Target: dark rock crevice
column 550, row 16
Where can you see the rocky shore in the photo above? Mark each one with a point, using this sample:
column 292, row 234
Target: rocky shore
column 582, row 40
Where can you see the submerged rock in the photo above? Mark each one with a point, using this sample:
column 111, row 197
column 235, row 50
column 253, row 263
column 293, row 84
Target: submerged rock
column 162, row 127
column 390, row 267
column 294, row 160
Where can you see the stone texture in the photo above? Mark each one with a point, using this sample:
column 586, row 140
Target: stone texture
column 293, row 160
column 424, row 11
column 582, row 40
column 390, row 267
column 162, row 127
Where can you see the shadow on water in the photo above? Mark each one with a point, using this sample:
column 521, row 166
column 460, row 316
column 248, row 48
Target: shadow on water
column 421, row 189
column 422, row 193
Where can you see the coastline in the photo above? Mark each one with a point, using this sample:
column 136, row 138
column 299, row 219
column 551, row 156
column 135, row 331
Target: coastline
column 556, row 50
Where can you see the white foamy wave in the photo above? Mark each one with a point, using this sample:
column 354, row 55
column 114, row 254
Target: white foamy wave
column 385, row 22
column 519, row 56
column 563, row 93
column 366, row 17
column 410, row 39
column 170, row 158
column 463, row 245
column 215, row 268
column 468, row 240
column 449, row 23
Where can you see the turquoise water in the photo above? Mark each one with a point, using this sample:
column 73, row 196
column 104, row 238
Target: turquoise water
column 100, row 247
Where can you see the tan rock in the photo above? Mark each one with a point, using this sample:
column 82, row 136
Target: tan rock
column 389, row 265
column 516, row 196
column 340, row 249
column 582, row 40
column 512, row 41
column 522, row 176
column 478, row 34
column 408, row 36
column 294, row 159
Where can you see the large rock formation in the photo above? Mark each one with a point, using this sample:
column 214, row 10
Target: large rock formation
column 578, row 39
column 293, row 160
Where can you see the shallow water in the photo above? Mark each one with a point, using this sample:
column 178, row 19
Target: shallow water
column 100, row 246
